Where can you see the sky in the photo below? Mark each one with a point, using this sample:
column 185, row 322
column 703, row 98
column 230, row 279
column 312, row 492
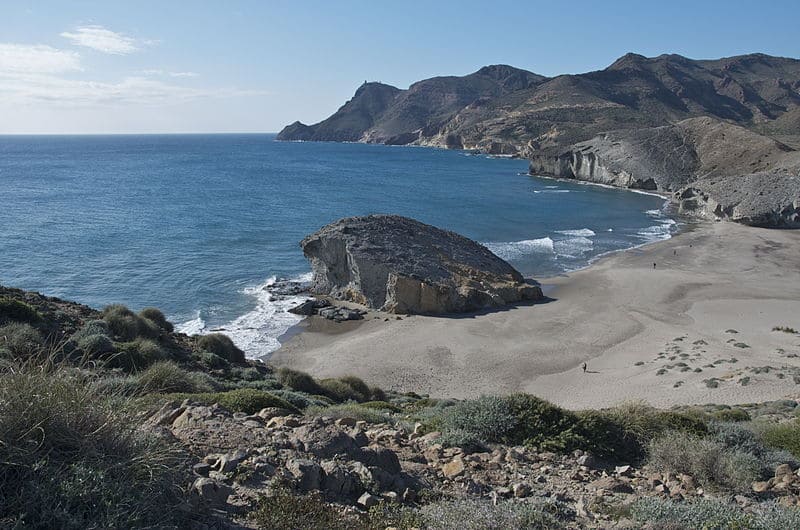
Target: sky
column 173, row 66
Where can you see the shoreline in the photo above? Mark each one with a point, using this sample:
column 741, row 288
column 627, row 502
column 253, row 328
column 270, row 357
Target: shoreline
column 642, row 339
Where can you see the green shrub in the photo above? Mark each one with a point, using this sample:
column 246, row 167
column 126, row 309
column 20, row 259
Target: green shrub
column 487, row 418
column 92, row 327
column 710, row 462
column 126, row 325
column 12, row 310
column 460, row 438
column 484, row 515
column 71, row 458
column 297, row 380
column 284, row 511
column 381, row 405
column 127, row 385
column 95, row 345
column 301, row 400
column 165, row 377
column 731, row 415
column 249, row 373
column 784, row 436
column 137, row 355
column 211, row 361
column 339, row 391
column 221, row 345
column 157, row 317
column 377, row 394
column 359, row 387
column 349, row 410
column 713, row 514
column 20, row 340
column 246, row 400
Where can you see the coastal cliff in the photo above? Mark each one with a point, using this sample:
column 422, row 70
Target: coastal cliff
column 716, row 170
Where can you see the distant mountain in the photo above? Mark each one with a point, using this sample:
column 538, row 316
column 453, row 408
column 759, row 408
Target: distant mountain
column 504, row 109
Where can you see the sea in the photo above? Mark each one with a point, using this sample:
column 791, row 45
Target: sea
column 202, row 226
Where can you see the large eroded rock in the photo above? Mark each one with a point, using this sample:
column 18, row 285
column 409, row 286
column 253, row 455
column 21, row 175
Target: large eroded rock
column 400, row 265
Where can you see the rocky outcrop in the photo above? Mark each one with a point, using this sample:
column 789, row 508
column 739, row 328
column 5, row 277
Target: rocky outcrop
column 760, row 199
column 716, row 170
column 400, row 265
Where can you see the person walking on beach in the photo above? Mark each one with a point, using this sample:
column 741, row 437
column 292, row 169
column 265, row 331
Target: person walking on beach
column 584, row 367
column 654, row 265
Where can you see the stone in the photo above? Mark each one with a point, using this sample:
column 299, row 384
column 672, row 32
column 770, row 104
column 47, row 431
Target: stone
column 588, row 461
column 381, row 457
column 454, row 468
column 783, row 469
column 400, row 265
column 211, row 492
column 612, row 484
column 338, row 480
column 623, row 471
column 228, row 462
column 346, row 422
column 306, row 308
column 307, row 473
column 521, row 490
column 760, row 486
column 202, row 469
column 367, row 501
column 273, row 412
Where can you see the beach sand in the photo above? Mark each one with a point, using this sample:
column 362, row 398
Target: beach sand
column 702, row 317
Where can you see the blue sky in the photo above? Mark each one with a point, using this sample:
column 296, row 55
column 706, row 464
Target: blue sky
column 254, row 66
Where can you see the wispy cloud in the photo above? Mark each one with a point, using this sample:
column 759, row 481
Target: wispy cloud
column 36, row 59
column 103, row 40
column 131, row 90
column 159, row 72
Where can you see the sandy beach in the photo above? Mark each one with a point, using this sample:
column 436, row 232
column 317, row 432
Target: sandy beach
column 696, row 329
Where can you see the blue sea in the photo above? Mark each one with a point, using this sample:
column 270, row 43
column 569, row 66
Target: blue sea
column 201, row 225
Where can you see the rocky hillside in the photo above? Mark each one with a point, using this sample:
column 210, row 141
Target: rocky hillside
column 109, row 419
column 504, row 109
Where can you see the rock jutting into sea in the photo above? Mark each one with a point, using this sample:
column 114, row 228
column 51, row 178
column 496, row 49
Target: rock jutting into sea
column 401, row 265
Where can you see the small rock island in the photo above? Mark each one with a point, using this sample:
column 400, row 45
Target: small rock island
column 400, row 265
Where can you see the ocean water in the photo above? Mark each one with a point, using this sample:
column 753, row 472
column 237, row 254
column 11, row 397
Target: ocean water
column 202, row 225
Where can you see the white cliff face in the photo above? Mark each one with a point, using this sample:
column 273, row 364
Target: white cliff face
column 400, row 265
column 718, row 170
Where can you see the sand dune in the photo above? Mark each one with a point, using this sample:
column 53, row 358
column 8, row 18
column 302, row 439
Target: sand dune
column 689, row 331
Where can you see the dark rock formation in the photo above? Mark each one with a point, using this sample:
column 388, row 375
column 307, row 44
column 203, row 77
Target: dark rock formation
column 400, row 265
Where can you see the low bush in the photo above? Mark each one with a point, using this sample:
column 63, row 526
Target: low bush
column 711, row 513
column 95, row 345
column 19, row 340
column 484, row 515
column 784, row 436
column 712, row 462
column 166, row 377
column 381, row 405
column 70, row 458
column 488, row 418
column 126, row 325
column 731, row 415
column 12, row 310
column 297, row 380
column 349, row 410
column 246, row 400
column 301, row 400
column 221, row 345
column 284, row 511
column 466, row 440
column 211, row 361
column 157, row 317
column 137, row 355
column 339, row 391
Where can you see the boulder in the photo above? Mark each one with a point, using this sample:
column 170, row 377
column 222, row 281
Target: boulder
column 400, row 265
column 211, row 492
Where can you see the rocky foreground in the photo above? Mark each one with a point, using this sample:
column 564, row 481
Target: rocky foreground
column 400, row 265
